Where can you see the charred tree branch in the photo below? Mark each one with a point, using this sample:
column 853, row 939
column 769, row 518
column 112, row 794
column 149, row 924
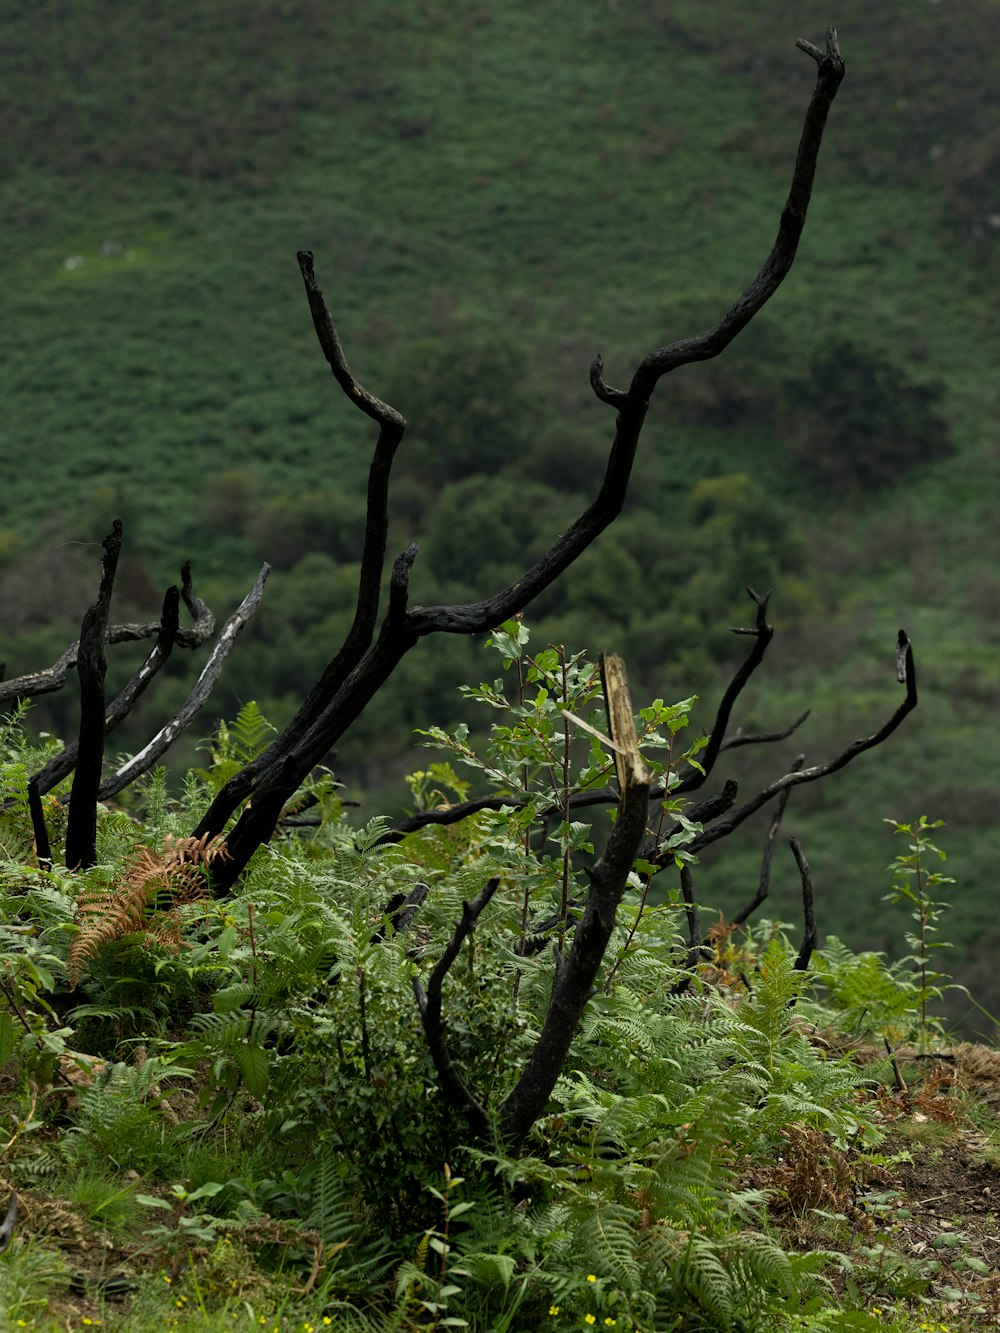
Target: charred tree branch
column 165, row 737
column 763, row 737
column 401, row 909
column 391, row 427
column 452, row 1085
column 43, row 851
column 54, row 677
column 829, row 73
column 351, row 687
column 906, row 673
column 764, row 883
column 808, row 914
column 763, row 634
column 91, row 665
column 574, row 979
column 62, row 764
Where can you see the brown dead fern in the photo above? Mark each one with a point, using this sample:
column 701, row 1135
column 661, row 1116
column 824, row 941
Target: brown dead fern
column 144, row 900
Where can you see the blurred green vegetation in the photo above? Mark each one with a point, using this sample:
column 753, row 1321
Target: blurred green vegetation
column 493, row 194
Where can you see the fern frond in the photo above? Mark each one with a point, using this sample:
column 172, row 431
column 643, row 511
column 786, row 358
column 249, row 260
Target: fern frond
column 104, row 914
column 610, row 1242
column 706, row 1279
column 129, row 905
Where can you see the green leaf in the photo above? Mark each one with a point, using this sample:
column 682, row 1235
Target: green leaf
column 227, row 941
column 254, row 1069
column 6, row 1037
column 207, row 1191
column 227, row 999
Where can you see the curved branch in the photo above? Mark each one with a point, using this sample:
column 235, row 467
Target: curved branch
column 829, row 73
column 614, row 397
column 763, row 634
column 452, row 1085
column 359, row 636
column 165, row 737
column 763, row 737
column 204, row 621
column 478, row 617
column 907, row 668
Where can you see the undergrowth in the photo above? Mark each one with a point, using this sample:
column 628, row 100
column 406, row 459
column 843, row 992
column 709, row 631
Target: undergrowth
column 233, row 1120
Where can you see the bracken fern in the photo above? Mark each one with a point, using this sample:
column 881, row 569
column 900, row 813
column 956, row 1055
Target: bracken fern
column 142, row 900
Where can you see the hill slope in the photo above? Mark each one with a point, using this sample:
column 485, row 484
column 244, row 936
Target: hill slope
column 492, row 197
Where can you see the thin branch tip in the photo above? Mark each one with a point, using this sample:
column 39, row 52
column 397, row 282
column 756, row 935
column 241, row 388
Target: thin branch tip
column 904, row 658
column 832, row 52
column 613, row 397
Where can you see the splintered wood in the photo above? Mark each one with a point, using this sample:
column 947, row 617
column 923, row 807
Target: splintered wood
column 629, row 764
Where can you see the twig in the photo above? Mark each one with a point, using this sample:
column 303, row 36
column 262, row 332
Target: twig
column 764, row 883
column 900, row 1081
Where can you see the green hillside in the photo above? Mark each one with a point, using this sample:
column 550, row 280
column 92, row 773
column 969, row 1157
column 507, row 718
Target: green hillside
column 493, row 194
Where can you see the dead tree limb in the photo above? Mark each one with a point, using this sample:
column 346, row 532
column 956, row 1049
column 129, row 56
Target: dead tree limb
column 91, row 665
column 359, row 671
column 54, row 677
column 693, row 918
column 62, row 764
column 763, row 737
column 391, row 426
column 452, row 1084
column 575, row 975
column 573, row 983
column 808, row 913
column 906, row 673
column 762, row 633
column 43, row 851
column 764, row 882
column 165, row 737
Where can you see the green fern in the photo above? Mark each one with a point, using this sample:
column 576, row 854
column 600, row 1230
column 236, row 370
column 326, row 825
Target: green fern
column 863, row 992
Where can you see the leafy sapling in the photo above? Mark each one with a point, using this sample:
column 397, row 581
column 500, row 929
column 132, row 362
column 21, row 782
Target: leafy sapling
column 915, row 883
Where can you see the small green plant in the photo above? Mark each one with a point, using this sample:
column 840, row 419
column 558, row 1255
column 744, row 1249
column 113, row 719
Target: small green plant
column 185, row 1226
column 426, row 1284
column 915, row 883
